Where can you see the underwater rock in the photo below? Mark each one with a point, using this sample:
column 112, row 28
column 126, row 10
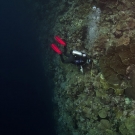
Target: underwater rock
column 130, row 23
column 104, row 83
column 126, row 22
column 127, row 101
column 106, row 86
column 104, row 124
column 118, row 33
column 94, row 132
column 87, row 112
column 124, row 40
column 114, row 64
column 110, row 132
column 130, row 92
column 123, row 129
column 118, row 113
column 128, row 127
column 102, row 113
column 101, row 94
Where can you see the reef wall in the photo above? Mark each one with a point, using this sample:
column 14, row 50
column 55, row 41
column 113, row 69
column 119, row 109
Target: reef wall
column 101, row 100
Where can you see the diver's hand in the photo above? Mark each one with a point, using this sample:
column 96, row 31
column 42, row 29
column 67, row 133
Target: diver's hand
column 81, row 69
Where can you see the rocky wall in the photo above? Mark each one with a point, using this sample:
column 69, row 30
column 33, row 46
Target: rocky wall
column 99, row 101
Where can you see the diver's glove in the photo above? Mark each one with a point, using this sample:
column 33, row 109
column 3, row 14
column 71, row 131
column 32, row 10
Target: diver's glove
column 81, row 69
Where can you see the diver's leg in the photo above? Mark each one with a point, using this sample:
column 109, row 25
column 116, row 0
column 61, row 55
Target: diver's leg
column 68, row 60
column 62, row 59
column 65, row 52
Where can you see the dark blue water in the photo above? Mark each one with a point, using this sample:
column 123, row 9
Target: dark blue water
column 25, row 94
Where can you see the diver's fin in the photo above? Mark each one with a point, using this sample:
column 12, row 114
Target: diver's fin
column 56, row 49
column 60, row 41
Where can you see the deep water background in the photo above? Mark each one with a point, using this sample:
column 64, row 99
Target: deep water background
column 25, row 93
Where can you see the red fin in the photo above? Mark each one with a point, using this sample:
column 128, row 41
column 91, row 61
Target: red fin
column 60, row 41
column 56, row 49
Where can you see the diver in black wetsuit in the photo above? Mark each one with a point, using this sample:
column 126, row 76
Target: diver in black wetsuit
column 75, row 57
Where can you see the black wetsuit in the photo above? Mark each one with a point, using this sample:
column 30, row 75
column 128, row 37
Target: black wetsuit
column 73, row 58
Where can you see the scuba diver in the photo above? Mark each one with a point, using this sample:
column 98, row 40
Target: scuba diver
column 75, row 57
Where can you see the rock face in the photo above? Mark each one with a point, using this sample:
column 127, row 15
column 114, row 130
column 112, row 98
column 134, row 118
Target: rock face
column 115, row 62
column 102, row 113
column 130, row 92
column 94, row 103
column 128, row 126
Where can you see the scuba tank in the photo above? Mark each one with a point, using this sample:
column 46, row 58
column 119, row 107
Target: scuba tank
column 74, row 52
